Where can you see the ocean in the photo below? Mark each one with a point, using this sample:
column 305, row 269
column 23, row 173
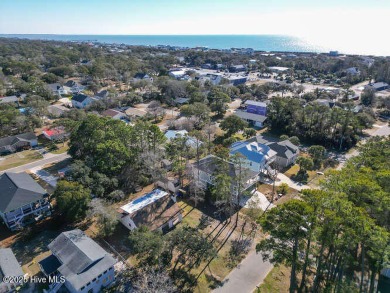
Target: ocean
column 276, row 43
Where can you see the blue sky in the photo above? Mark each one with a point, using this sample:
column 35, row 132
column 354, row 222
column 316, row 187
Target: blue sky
column 186, row 17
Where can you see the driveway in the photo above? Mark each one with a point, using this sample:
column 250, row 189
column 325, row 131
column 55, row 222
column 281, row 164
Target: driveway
column 45, row 176
column 247, row 275
column 284, row 179
column 257, row 200
column 48, row 159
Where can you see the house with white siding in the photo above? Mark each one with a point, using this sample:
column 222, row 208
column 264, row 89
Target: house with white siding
column 83, row 264
column 22, row 200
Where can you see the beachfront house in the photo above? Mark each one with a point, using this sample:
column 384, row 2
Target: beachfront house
column 9, row 267
column 157, row 210
column 84, row 264
column 22, row 200
column 15, row 143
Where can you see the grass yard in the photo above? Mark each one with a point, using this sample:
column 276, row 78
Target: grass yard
column 61, row 148
column 292, row 171
column 18, row 159
column 278, row 280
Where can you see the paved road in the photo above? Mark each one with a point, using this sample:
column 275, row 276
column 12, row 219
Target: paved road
column 48, row 159
column 247, row 275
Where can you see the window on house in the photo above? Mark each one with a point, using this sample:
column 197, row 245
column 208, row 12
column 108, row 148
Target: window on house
column 82, row 288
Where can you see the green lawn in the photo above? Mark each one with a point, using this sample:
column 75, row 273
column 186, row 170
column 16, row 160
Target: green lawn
column 276, row 281
column 62, row 148
column 18, row 159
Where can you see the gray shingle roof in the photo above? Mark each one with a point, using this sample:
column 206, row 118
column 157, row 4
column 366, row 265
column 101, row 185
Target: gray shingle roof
column 17, row 190
column 10, row 140
column 9, row 266
column 250, row 116
column 79, row 98
column 82, row 258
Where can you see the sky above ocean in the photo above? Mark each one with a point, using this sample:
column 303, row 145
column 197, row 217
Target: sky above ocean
column 350, row 26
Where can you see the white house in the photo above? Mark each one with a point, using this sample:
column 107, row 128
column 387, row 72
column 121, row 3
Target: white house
column 22, row 200
column 191, row 141
column 353, row 71
column 177, row 73
column 73, row 86
column 84, row 266
column 58, row 89
column 81, row 101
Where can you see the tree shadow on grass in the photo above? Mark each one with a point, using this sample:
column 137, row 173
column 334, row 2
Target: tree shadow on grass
column 34, row 239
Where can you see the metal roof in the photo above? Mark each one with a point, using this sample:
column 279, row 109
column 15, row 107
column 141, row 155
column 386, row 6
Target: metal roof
column 143, row 201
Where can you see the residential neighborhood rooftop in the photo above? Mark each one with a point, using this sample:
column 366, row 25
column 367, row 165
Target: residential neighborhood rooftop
column 143, row 201
column 17, row 190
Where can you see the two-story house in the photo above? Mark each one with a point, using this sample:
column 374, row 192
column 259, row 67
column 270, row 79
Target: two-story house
column 81, row 101
column 22, row 200
column 205, row 170
column 255, row 113
column 286, row 152
column 74, row 87
column 85, row 266
column 256, row 156
column 57, row 89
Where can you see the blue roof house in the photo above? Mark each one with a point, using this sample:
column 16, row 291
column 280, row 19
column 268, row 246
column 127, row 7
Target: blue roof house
column 257, row 156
